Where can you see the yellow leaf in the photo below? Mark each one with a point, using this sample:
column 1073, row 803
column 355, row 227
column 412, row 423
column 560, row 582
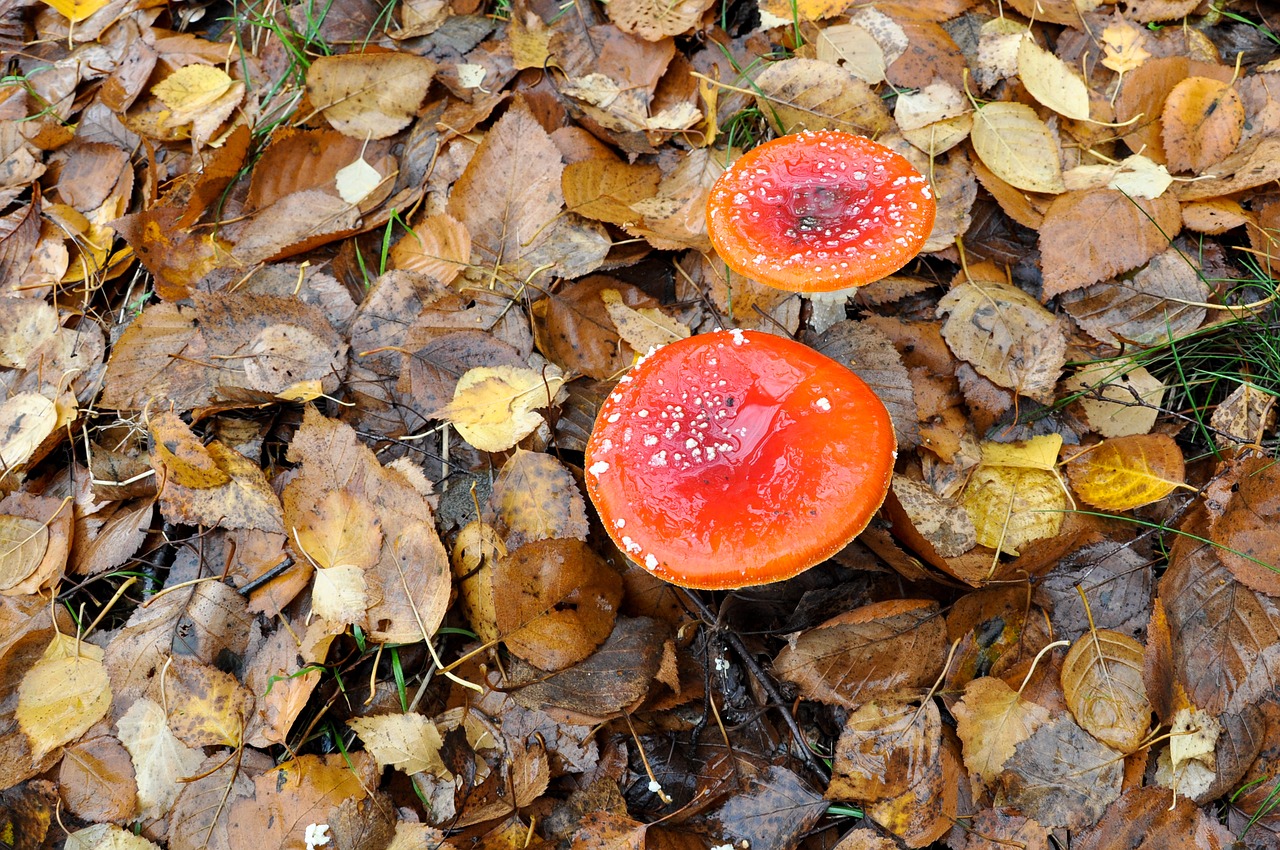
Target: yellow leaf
column 1128, row 472
column 1015, row 496
column 23, row 543
column 642, row 328
column 409, row 742
column 493, row 406
column 357, row 181
column 307, row 390
column 1102, row 683
column 1052, row 82
column 62, row 695
column 76, row 10
column 991, row 720
column 1122, row 47
column 1036, row 453
column 1016, row 145
column 340, row 594
column 192, row 87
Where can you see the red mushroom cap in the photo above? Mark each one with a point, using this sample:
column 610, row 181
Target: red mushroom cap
column 818, row 211
column 738, row 458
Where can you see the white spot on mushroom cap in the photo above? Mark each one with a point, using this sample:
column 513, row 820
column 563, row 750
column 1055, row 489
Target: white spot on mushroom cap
column 598, row 468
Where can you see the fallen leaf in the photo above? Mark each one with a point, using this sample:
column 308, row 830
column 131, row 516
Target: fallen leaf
column 1012, row 498
column 408, row 742
column 557, row 603
column 493, row 406
column 1127, row 472
column 645, row 328
column 884, row 750
column 62, row 695
column 1102, row 683
column 1052, row 82
column 1090, row 236
column 655, row 21
column 1203, row 120
column 1017, row 146
column 160, row 760
column 1119, row 400
column 1006, row 334
column 1062, row 776
column 1249, row 541
column 805, row 94
column 992, row 719
column 886, row 649
column 538, row 499
column 370, row 95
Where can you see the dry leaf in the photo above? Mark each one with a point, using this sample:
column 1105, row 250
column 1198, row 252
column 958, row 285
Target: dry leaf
column 1016, row 145
column 476, row 552
column 805, row 94
column 991, row 720
column 1162, row 300
column 1052, row 82
column 855, row 49
column 645, row 328
column 160, row 760
column 1062, row 776
column 407, row 742
column 369, row 96
column 1122, row 45
column 655, row 21
column 1118, row 399
column 62, row 695
column 1127, row 472
column 1006, row 334
column 557, row 603
column 438, row 246
column 1090, row 236
column 1012, row 498
column 1246, row 530
column 1102, row 683
column 886, row 649
column 885, row 749
column 538, row 499
column 493, row 406
column 1203, row 121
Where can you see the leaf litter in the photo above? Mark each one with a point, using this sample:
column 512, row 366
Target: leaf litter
column 307, row 315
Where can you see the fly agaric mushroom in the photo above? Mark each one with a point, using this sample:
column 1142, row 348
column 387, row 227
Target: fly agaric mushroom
column 819, row 211
column 737, row 458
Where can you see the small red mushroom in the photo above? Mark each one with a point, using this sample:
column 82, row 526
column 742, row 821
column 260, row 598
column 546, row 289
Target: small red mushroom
column 737, row 458
column 819, row 211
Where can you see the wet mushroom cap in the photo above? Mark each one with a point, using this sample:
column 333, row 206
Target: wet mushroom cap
column 738, row 458
column 819, row 211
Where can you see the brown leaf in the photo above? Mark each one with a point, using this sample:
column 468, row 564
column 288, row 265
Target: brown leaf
column 159, row 758
column 96, row 780
column 1062, row 776
column 610, row 681
column 805, row 94
column 575, row 331
column 438, row 246
column 1226, row 637
column 510, row 200
column 992, row 719
column 246, row 500
column 1090, row 236
column 884, row 750
column 923, row 814
column 1007, row 336
column 409, row 587
column 303, row 791
column 180, row 457
column 604, row 189
column 1102, row 681
column 870, row 354
column 1203, row 120
column 1246, row 530
column 884, row 649
column 35, row 537
column 998, row 829
column 371, row 95
column 1158, row 302
column 774, row 809
column 1115, row 578
column 557, row 602
column 1141, row 100
column 538, row 499
column 1149, row 818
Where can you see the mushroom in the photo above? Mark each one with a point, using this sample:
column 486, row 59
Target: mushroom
column 819, row 211
column 737, row 458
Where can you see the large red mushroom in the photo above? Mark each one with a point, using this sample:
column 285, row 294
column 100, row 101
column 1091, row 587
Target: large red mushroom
column 738, row 458
column 819, row 211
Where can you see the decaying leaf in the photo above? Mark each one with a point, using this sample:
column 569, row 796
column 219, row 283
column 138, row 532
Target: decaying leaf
column 887, row 649
column 805, row 94
column 1062, row 776
column 1012, row 497
column 408, row 742
column 1008, row 337
column 884, row 750
column 64, row 694
column 538, row 499
column 371, row 95
column 1018, row 148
